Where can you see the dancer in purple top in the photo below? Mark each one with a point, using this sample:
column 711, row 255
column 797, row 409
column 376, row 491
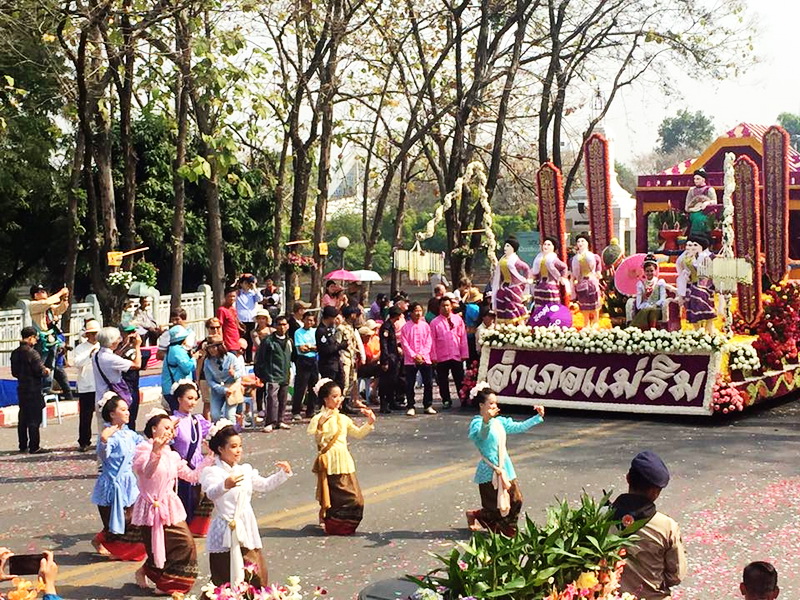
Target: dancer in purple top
column 190, row 432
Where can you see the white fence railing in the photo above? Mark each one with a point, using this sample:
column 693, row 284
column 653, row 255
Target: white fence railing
column 199, row 306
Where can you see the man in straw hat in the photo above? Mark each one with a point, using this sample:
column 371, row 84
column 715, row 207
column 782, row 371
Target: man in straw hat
column 82, row 359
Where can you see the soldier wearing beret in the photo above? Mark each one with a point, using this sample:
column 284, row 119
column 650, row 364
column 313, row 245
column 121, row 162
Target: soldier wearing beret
column 656, row 560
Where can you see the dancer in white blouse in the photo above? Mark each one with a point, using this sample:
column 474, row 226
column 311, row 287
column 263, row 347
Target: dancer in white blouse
column 230, row 485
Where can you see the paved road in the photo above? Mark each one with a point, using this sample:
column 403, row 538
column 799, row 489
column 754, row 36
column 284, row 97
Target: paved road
column 735, row 490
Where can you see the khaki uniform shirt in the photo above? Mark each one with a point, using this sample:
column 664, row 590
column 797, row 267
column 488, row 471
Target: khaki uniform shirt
column 656, row 562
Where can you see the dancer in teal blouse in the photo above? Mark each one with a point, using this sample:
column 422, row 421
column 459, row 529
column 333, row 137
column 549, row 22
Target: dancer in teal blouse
column 501, row 499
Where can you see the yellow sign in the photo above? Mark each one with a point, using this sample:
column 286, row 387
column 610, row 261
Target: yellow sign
column 114, row 259
column 323, row 248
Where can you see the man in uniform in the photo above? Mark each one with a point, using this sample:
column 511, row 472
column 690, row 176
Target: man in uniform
column 391, row 362
column 328, row 347
column 656, row 560
column 27, row 366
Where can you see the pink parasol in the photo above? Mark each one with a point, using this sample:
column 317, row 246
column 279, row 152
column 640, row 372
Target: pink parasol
column 342, row 275
column 628, row 273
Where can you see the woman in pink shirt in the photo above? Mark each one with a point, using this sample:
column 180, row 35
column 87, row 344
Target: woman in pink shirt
column 415, row 339
column 449, row 349
column 171, row 554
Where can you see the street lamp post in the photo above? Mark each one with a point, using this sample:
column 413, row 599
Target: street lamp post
column 343, row 243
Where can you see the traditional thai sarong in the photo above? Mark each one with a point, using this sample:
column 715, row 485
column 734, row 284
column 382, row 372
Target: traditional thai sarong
column 125, row 546
column 587, row 286
column 347, row 505
column 180, row 566
column 219, row 563
column 509, row 285
column 198, row 508
column 700, row 301
column 489, row 514
column 338, row 492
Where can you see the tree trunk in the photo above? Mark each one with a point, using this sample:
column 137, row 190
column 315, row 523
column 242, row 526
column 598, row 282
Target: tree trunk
column 129, row 158
column 216, row 245
column 183, row 51
column 73, row 220
column 277, row 254
column 399, row 216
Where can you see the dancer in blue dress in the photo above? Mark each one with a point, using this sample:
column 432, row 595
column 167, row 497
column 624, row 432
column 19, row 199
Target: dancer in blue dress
column 116, row 490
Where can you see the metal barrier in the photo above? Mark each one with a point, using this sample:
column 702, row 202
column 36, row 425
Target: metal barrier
column 199, row 306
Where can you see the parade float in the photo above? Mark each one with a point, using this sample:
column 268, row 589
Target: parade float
column 747, row 354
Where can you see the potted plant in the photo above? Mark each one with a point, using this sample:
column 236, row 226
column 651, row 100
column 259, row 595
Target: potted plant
column 577, row 550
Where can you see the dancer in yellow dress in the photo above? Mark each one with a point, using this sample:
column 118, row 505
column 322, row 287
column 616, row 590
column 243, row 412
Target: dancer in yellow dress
column 338, row 492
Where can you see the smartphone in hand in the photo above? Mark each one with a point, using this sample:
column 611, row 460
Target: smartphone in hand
column 24, row 564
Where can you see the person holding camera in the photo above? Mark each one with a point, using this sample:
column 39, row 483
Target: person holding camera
column 248, row 300
column 45, row 311
column 48, row 571
column 109, row 366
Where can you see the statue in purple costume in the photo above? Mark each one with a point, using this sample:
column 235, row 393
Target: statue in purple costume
column 510, row 285
column 549, row 271
column 586, row 275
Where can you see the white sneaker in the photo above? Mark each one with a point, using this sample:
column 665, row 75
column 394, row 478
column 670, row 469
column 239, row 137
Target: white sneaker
column 430, row 411
column 283, row 426
column 411, row 412
column 267, row 429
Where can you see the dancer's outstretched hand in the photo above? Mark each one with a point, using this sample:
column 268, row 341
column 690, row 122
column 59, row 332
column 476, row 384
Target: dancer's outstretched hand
column 284, row 466
column 233, row 480
column 370, row 414
column 539, row 409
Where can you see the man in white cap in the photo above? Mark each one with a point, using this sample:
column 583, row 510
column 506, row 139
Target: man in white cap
column 82, row 359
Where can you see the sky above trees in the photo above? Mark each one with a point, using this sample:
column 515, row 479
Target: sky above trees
column 757, row 96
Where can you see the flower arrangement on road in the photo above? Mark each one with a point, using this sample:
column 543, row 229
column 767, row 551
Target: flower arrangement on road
column 291, row 590
column 602, row 341
column 577, row 554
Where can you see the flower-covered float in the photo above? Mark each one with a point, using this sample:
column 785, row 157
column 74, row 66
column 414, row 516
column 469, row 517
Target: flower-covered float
column 675, row 364
column 655, row 371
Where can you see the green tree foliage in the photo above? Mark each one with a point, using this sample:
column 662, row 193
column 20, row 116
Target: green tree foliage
column 686, row 130
column 31, row 202
column 791, row 123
